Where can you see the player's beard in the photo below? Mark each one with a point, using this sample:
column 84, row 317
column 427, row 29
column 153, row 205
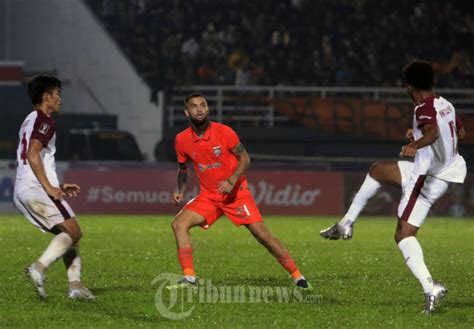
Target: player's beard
column 200, row 124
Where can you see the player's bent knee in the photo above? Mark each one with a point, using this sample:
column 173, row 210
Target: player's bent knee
column 179, row 225
column 74, row 229
column 75, row 235
column 400, row 235
column 79, row 236
column 397, row 238
column 174, row 225
column 71, row 228
column 374, row 170
column 373, row 167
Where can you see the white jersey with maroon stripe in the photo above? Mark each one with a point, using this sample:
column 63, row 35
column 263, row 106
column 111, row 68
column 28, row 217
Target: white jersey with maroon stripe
column 37, row 125
column 440, row 159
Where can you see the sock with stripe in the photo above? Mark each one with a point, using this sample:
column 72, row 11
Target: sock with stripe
column 287, row 262
column 185, row 257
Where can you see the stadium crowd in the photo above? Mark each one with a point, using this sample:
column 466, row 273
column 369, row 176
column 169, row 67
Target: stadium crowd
column 291, row 42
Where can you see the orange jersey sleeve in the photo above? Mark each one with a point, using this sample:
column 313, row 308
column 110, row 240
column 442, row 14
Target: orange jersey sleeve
column 180, row 155
column 232, row 138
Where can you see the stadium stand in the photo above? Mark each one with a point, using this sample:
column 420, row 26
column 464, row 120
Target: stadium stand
column 291, row 42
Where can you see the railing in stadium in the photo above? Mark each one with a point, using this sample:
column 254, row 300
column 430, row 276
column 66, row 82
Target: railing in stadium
column 253, row 105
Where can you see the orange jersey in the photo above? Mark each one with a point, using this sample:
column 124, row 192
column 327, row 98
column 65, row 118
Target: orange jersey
column 212, row 157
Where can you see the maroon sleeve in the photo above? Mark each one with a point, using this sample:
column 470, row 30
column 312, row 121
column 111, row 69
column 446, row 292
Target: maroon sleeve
column 43, row 129
column 425, row 114
column 458, row 123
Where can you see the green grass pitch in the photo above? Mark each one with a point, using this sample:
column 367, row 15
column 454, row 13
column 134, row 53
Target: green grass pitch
column 359, row 283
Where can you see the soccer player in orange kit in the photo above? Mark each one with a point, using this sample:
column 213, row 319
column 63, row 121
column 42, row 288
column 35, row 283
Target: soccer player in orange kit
column 219, row 160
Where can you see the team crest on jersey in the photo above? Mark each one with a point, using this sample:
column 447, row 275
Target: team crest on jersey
column 43, row 128
column 217, row 150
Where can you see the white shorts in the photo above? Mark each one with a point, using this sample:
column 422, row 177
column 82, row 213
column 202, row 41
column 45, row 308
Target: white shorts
column 40, row 209
column 419, row 192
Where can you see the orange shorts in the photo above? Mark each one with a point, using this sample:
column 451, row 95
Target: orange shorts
column 241, row 210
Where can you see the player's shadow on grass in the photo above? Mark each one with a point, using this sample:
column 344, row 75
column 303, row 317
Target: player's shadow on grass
column 99, row 291
column 275, row 283
column 97, row 308
column 349, row 276
column 457, row 304
column 118, row 312
column 257, row 281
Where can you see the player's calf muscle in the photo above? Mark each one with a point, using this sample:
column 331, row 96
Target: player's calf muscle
column 176, row 225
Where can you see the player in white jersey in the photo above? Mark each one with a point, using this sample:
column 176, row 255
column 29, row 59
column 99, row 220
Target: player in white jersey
column 437, row 163
column 38, row 194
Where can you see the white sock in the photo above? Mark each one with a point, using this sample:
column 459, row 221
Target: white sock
column 367, row 190
column 413, row 255
column 72, row 261
column 57, row 247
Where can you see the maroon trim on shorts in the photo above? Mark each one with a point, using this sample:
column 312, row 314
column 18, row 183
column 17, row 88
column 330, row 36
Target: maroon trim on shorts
column 413, row 197
column 61, row 208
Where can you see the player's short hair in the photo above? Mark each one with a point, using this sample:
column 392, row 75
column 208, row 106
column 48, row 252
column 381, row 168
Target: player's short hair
column 192, row 95
column 40, row 84
column 419, row 74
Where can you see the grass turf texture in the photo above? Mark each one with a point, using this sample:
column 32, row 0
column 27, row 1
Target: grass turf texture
column 361, row 283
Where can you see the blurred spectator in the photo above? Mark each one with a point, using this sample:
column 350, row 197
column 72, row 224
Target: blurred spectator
column 293, row 42
column 190, row 48
column 242, row 76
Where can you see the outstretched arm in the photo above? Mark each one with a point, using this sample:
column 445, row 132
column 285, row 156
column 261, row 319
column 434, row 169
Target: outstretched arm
column 182, row 180
column 227, row 185
column 430, row 135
